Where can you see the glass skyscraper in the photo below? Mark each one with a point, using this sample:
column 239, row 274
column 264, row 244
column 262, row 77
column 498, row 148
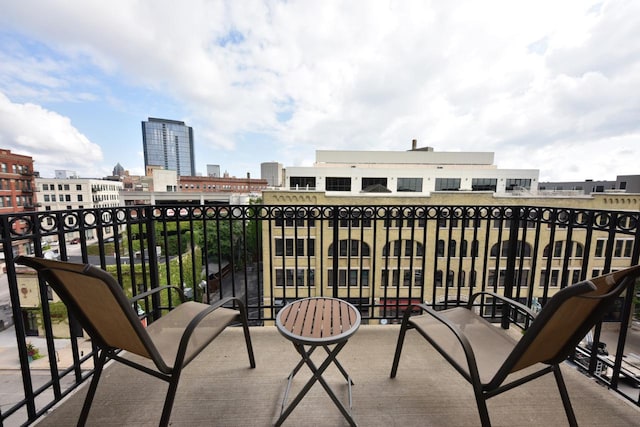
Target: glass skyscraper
column 168, row 143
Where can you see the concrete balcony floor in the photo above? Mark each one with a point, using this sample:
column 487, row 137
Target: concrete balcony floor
column 219, row 388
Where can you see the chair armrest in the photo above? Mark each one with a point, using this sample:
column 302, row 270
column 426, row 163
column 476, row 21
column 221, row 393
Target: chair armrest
column 188, row 331
column 459, row 335
column 521, row 307
column 156, row 290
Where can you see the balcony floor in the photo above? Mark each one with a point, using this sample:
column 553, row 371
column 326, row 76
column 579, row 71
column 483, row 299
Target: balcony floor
column 218, row 388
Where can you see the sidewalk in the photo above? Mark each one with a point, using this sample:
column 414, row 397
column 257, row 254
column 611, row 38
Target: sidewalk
column 9, row 359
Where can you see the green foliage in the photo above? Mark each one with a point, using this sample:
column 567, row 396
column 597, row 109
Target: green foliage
column 174, row 237
column 229, row 239
column 166, row 275
column 109, row 249
column 58, row 312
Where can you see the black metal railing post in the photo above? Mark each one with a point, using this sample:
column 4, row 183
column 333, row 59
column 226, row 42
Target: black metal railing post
column 336, row 250
column 512, row 253
column 394, row 233
column 154, row 274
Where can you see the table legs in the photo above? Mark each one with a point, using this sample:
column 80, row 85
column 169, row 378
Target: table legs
column 317, row 376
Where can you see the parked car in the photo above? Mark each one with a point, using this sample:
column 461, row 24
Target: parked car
column 75, row 241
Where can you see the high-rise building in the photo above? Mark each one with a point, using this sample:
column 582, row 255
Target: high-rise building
column 168, row 143
column 213, row 171
column 272, row 172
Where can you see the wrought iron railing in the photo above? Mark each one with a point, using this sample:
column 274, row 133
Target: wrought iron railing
column 380, row 258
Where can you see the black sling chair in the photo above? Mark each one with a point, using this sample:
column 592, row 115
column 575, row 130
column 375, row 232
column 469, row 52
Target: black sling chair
column 486, row 355
column 97, row 301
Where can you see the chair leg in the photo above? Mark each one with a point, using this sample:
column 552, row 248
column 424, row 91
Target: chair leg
column 481, row 401
column 247, row 338
column 401, row 335
column 571, row 416
column 92, row 388
column 171, row 395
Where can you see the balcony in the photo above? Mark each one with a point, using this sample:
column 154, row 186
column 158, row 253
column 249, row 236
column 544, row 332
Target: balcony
column 377, row 257
column 219, row 388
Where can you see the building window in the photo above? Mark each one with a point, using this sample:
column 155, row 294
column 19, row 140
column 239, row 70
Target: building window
column 352, row 248
column 287, row 247
column 410, row 185
column 338, row 184
column 623, row 248
column 284, row 278
column 302, row 182
column 395, row 278
column 447, row 184
column 80, row 197
column 438, row 279
column 370, row 182
column 484, row 184
column 517, row 184
column 291, row 277
column 79, row 187
column 399, row 249
column 349, row 276
column 553, row 280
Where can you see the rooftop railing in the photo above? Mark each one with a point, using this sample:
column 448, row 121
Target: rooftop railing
column 380, row 258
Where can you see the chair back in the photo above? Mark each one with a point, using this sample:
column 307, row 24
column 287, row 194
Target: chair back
column 567, row 318
column 97, row 301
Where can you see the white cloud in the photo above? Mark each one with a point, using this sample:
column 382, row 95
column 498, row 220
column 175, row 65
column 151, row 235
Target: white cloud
column 527, row 80
column 48, row 137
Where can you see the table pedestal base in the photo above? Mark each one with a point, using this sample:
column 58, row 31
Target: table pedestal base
column 317, row 376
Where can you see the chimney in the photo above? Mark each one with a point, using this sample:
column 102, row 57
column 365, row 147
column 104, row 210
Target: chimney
column 414, row 144
column 248, row 175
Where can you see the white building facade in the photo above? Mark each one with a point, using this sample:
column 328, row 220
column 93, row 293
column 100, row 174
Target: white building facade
column 77, row 193
column 416, row 172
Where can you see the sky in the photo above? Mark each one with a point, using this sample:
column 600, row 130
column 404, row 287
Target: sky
column 544, row 84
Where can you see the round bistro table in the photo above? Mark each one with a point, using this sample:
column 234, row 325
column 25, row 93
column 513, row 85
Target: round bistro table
column 315, row 322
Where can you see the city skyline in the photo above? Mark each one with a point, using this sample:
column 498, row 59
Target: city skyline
column 543, row 86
